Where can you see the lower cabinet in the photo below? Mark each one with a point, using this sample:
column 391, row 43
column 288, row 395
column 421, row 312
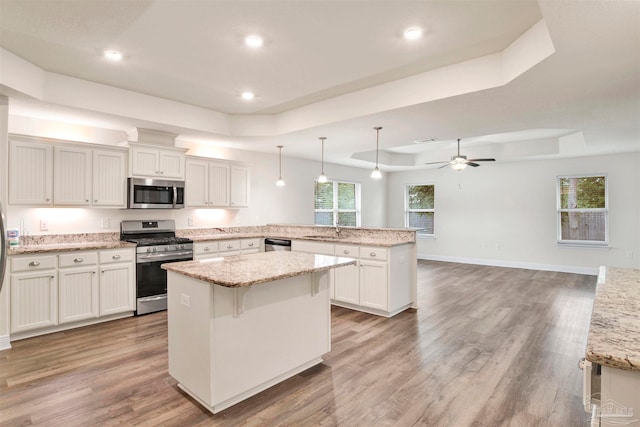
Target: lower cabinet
column 51, row 292
column 117, row 290
column 34, row 300
column 374, row 284
column 78, row 293
column 368, row 286
column 222, row 248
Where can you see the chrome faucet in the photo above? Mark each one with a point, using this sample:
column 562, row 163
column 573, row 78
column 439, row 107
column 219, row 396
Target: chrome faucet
column 337, row 227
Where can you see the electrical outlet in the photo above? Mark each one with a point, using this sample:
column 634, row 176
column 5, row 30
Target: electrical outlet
column 185, row 300
column 44, row 225
column 629, row 254
column 105, row 223
column 190, row 221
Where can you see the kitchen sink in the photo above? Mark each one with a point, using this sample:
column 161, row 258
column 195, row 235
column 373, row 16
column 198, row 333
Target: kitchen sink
column 318, row 237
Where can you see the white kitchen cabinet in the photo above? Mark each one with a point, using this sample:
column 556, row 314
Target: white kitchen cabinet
column 239, row 194
column 249, row 246
column 61, row 173
column 157, row 162
column 207, row 183
column 71, row 176
column 205, row 250
column 368, row 286
column 374, row 284
column 117, row 291
column 117, row 281
column 30, row 173
column 34, row 300
column 78, row 293
column 109, row 178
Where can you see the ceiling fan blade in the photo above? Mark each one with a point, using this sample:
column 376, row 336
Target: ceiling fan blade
column 482, row 160
column 435, row 163
column 445, row 165
column 475, row 165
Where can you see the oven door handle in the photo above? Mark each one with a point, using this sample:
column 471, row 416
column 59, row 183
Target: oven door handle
column 174, row 256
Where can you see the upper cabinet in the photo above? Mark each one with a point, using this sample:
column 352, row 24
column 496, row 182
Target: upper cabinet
column 157, row 162
column 216, row 183
column 239, row 186
column 30, row 173
column 59, row 173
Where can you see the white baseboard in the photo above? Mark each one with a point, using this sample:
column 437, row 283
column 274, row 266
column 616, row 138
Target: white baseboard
column 5, row 342
column 513, row 264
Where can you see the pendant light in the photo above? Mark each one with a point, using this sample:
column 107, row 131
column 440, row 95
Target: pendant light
column 376, row 174
column 322, row 178
column 280, row 181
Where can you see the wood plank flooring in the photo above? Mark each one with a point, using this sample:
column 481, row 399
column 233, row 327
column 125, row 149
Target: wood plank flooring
column 488, row 347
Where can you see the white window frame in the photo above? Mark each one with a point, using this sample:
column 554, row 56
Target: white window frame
column 335, row 210
column 583, row 243
column 407, row 211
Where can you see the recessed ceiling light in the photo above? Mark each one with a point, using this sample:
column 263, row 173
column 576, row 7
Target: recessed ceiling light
column 248, row 96
column 113, row 55
column 413, row 33
column 253, row 41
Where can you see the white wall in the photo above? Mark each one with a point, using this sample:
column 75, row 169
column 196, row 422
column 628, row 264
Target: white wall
column 292, row 204
column 505, row 213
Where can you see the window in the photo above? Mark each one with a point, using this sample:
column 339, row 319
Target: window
column 583, row 209
column 420, row 208
column 337, row 203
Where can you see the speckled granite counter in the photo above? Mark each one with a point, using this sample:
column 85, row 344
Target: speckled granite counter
column 247, row 270
column 614, row 334
column 68, row 242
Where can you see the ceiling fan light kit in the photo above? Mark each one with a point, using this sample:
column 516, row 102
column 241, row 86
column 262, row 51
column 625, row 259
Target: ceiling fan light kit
column 459, row 162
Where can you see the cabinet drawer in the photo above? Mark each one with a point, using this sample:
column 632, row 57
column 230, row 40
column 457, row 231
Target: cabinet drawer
column 367, row 252
column 74, row 259
column 312, row 247
column 348, row 251
column 205, row 248
column 229, row 245
column 32, row 263
column 250, row 244
column 118, row 255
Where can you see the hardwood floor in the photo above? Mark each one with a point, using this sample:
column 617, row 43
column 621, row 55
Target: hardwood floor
column 488, row 347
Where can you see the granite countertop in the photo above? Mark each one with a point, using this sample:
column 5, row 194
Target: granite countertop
column 614, row 333
column 247, row 270
column 68, row 246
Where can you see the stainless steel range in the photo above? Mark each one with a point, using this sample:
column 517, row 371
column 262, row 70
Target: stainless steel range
column 157, row 244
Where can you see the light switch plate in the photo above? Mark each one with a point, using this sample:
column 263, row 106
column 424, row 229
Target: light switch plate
column 185, row 300
column 44, row 225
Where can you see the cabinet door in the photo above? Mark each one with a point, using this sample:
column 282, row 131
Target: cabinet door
column 34, row 300
column 30, row 173
column 239, row 186
column 374, row 289
column 145, row 161
column 78, row 294
column 109, row 178
column 347, row 284
column 197, row 184
column 71, row 176
column 171, row 164
column 218, row 184
column 117, row 289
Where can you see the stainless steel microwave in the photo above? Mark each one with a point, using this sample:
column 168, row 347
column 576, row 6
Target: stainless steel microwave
column 155, row 194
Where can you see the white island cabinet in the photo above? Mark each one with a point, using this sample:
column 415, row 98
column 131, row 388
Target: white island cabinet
column 240, row 324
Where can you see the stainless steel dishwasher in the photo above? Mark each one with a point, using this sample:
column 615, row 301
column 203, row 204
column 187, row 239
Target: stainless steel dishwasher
column 271, row 245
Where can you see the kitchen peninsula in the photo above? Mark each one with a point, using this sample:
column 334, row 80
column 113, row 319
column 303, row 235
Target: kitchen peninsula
column 240, row 324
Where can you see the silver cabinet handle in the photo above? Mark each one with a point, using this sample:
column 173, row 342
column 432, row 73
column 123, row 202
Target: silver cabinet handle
column 250, row 244
column 346, row 251
column 116, row 257
column 86, row 200
column 229, row 246
column 78, row 260
column 95, row 201
column 47, row 199
column 34, row 264
column 207, row 249
column 372, row 254
column 52, row 277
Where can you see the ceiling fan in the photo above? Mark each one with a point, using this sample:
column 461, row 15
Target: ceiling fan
column 459, row 162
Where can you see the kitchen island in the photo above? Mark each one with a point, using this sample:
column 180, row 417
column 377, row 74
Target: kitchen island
column 240, row 324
